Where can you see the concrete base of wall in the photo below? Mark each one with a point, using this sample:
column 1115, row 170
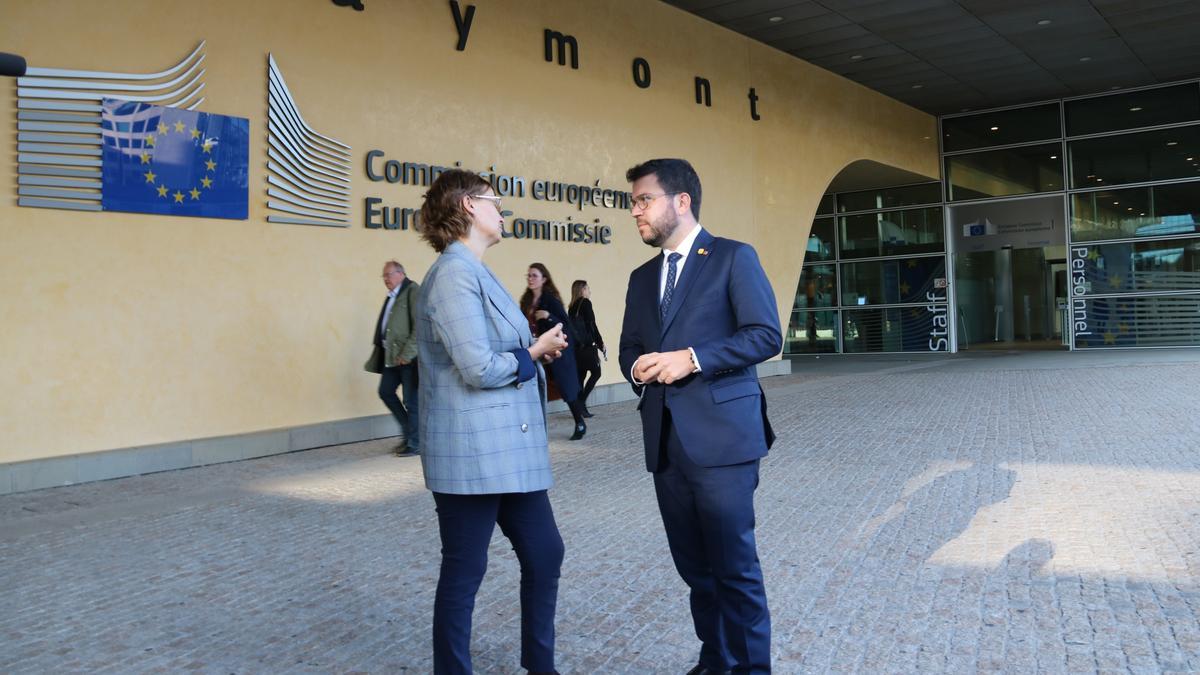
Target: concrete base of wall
column 71, row 469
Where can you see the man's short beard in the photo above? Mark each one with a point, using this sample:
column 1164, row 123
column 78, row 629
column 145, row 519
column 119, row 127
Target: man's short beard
column 662, row 230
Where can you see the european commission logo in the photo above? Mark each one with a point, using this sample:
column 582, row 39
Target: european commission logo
column 171, row 161
column 979, row 229
column 135, row 142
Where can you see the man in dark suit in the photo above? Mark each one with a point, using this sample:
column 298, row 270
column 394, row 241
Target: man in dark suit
column 698, row 318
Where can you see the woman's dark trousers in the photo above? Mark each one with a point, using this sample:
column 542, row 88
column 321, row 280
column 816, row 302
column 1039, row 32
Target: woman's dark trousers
column 466, row 523
column 587, row 363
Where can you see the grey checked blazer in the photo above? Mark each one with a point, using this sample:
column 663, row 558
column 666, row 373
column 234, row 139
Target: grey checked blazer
column 482, row 432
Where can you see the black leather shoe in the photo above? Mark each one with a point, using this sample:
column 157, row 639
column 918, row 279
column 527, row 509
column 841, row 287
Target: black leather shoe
column 587, row 413
column 580, row 430
column 702, row 669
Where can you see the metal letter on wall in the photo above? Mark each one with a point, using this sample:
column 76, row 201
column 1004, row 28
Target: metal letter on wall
column 59, row 147
column 308, row 175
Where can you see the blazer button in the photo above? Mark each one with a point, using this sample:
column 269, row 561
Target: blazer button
column 524, row 428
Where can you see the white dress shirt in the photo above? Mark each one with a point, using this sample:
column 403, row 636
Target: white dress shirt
column 684, row 248
column 387, row 313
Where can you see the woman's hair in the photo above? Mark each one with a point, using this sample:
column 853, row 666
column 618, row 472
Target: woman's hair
column 577, row 287
column 443, row 219
column 547, row 288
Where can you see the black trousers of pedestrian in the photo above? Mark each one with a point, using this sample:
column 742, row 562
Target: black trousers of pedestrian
column 466, row 523
column 587, row 363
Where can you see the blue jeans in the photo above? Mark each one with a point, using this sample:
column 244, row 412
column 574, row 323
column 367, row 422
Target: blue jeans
column 466, row 523
column 406, row 413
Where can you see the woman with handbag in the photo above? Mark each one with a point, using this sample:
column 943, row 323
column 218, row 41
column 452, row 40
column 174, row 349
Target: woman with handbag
column 483, row 425
column 542, row 304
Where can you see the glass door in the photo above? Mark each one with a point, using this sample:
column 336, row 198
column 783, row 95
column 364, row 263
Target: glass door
column 1009, row 299
column 1010, row 274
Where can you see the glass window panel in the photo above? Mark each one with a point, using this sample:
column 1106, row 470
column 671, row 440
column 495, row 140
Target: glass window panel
column 813, row 332
column 1000, row 173
column 1132, row 110
column 1168, row 321
column 820, row 241
column 892, row 233
column 1005, row 127
column 817, row 287
column 826, row 205
column 1136, row 212
column 885, row 282
column 896, row 329
column 1165, row 154
column 1126, row 267
column 890, row 198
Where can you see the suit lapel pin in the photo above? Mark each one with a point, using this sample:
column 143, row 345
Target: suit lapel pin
column 701, row 251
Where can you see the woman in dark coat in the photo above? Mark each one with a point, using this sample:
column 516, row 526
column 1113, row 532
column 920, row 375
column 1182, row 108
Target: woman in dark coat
column 589, row 344
column 544, row 308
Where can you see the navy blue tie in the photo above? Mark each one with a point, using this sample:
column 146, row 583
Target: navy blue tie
column 669, row 289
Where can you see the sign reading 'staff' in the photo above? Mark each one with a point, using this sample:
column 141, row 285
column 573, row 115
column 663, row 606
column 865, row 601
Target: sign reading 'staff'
column 175, row 162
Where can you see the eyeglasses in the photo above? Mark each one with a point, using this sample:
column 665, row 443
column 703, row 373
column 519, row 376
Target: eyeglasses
column 388, row 274
column 643, row 201
column 490, row 198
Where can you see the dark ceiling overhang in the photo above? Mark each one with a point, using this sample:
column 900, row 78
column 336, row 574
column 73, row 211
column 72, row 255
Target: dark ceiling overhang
column 946, row 56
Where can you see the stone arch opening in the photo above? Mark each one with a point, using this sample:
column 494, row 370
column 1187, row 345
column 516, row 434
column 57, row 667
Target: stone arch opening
column 873, row 265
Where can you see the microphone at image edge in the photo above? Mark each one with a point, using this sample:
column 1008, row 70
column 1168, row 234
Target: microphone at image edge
column 11, row 65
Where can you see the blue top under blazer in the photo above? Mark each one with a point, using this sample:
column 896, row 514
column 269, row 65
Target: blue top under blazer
column 483, row 429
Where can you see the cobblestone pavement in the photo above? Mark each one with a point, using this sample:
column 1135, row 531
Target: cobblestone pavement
column 1013, row 514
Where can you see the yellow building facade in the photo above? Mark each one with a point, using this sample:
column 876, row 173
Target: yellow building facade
column 137, row 342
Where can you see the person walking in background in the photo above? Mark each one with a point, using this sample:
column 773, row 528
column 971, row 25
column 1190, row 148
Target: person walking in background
column 698, row 317
column 588, row 343
column 543, row 306
column 394, row 356
column 483, row 406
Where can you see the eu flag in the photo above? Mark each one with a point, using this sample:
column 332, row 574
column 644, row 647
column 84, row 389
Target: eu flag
column 175, row 162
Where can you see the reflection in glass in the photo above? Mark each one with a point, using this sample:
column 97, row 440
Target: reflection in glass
column 1169, row 265
column 1136, row 212
column 826, row 205
column 892, row 233
column 1166, row 321
column 820, row 241
column 890, row 198
column 1000, row 173
column 1004, row 127
column 896, row 329
column 812, row 333
column 1131, row 110
column 1165, row 154
column 884, row 282
column 817, row 287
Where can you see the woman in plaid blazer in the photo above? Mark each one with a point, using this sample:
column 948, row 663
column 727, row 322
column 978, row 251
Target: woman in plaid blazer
column 483, row 422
